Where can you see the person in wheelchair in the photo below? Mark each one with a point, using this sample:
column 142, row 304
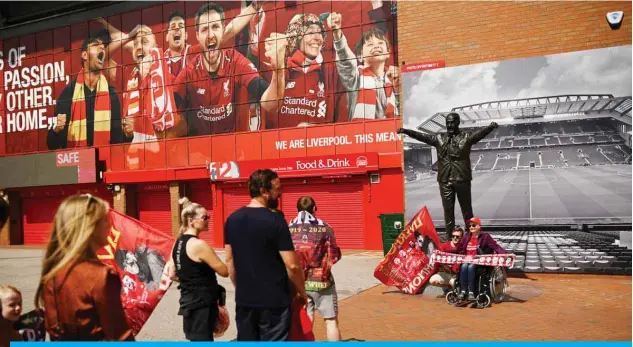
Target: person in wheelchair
column 474, row 242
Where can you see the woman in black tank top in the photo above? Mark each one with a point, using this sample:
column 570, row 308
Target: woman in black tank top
column 194, row 264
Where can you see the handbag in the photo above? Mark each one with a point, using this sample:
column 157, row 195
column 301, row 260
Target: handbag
column 300, row 325
column 223, row 321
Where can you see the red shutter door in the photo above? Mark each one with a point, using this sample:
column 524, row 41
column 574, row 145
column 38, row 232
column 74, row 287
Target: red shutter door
column 340, row 205
column 154, row 210
column 234, row 198
column 37, row 219
column 38, row 209
column 200, row 193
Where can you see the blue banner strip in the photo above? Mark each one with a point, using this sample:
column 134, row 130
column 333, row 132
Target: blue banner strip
column 370, row 344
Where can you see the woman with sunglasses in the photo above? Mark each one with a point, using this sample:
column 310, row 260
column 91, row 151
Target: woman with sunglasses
column 194, row 264
column 474, row 242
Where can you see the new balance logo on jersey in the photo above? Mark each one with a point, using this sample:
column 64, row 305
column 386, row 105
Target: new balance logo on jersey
column 290, row 85
column 201, row 91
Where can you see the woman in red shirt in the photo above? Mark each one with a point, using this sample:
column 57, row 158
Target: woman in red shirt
column 475, row 242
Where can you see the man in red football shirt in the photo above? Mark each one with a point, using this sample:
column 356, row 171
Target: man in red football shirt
column 446, row 275
column 149, row 108
column 218, row 80
column 178, row 52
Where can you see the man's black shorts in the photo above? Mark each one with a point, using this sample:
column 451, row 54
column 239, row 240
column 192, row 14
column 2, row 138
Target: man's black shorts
column 262, row 324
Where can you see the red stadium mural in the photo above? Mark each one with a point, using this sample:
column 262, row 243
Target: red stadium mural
column 147, row 83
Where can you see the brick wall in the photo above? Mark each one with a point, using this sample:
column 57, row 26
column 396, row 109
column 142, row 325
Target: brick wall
column 462, row 33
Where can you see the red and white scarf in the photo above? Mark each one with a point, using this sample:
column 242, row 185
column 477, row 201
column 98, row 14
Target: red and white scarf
column 155, row 113
column 505, row 260
column 158, row 101
column 365, row 107
column 297, row 62
column 256, row 27
column 77, row 127
column 182, row 59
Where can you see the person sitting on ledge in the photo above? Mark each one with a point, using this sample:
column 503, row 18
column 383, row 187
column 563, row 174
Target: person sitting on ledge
column 445, row 277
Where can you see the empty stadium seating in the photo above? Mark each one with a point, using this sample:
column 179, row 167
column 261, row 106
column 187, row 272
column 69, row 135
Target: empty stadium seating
column 486, row 162
column 574, row 156
column 565, row 252
column 526, row 158
column 581, row 142
column 518, row 143
column 551, row 157
column 617, row 153
column 596, row 157
column 537, row 141
column 553, row 144
column 506, row 160
column 564, row 140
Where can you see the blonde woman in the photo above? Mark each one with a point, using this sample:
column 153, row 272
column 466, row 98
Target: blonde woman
column 81, row 296
column 11, row 308
column 194, row 263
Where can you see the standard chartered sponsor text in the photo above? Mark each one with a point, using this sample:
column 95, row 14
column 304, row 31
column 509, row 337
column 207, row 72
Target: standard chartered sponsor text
column 215, row 114
column 300, row 101
column 302, row 107
column 299, row 111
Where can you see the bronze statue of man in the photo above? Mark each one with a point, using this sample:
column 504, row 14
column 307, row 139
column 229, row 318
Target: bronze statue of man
column 454, row 168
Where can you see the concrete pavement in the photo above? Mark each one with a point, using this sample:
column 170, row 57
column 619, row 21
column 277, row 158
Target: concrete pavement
column 21, row 268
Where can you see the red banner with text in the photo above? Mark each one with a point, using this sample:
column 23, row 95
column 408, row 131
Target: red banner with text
column 408, row 264
column 139, row 253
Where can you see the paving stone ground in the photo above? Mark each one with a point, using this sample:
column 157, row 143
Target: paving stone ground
column 539, row 307
column 549, row 307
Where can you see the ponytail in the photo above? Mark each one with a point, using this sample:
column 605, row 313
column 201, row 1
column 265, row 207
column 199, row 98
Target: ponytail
column 189, row 209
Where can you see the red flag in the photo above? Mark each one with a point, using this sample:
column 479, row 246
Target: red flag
column 139, row 253
column 407, row 266
column 301, row 325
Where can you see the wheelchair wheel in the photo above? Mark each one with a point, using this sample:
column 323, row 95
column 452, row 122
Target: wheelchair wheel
column 451, row 298
column 498, row 284
column 483, row 300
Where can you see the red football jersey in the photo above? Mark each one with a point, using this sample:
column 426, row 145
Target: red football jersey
column 177, row 64
column 312, row 95
column 212, row 101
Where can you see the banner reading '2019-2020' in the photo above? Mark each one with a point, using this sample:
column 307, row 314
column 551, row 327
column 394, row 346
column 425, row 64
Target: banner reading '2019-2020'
column 187, row 69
